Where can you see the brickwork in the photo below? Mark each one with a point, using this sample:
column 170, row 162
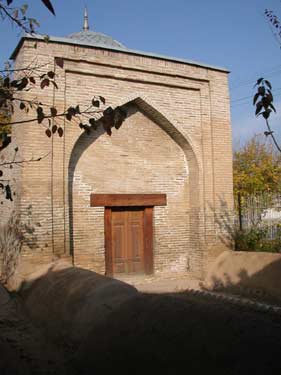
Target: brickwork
column 176, row 140
column 7, row 206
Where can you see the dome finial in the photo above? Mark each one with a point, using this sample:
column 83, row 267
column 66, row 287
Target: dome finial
column 86, row 22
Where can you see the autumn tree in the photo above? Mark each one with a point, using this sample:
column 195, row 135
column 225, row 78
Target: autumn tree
column 256, row 168
column 256, row 172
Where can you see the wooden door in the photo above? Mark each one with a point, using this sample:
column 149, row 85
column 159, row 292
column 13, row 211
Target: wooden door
column 127, row 233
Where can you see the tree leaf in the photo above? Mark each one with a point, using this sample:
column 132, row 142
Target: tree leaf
column 102, row 99
column 261, row 90
column 45, row 83
column 48, row 133
column 256, row 98
column 14, row 83
column 265, row 102
column 96, row 103
column 32, row 80
column 51, row 74
column 22, row 84
column 54, row 129
column 266, row 113
column 268, row 84
column 23, row 8
column 266, row 133
column 6, row 82
column 49, row 5
column 272, row 106
column 22, row 105
column 8, row 192
column 40, row 115
column 71, row 110
column 53, row 111
column 259, row 107
column 60, row 132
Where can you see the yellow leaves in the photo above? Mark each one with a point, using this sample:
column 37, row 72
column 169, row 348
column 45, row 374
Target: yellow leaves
column 256, row 168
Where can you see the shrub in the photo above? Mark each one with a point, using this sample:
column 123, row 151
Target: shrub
column 256, row 239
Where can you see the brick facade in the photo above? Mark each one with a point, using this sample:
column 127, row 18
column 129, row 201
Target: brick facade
column 176, row 140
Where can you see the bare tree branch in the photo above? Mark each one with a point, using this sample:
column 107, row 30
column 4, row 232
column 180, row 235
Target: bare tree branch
column 3, row 8
column 48, row 117
column 18, row 162
column 272, row 136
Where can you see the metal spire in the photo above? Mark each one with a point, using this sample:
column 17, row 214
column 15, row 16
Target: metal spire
column 86, row 21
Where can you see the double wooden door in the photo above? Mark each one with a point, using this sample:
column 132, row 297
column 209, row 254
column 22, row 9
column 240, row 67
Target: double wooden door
column 128, row 234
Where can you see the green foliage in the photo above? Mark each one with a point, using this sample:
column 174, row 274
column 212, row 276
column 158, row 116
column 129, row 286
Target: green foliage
column 256, row 239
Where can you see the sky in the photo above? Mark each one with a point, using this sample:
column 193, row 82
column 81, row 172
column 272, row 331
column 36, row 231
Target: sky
column 230, row 34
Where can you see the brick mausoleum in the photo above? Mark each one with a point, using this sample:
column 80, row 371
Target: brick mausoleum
column 146, row 199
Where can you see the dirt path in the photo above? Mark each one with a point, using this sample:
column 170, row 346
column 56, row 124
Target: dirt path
column 161, row 332
column 182, row 331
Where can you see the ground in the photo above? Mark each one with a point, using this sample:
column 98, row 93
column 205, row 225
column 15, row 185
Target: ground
column 165, row 331
column 23, row 348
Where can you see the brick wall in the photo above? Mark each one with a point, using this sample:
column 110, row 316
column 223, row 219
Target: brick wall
column 177, row 141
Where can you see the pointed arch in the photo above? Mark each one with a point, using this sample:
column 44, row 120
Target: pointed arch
column 161, row 119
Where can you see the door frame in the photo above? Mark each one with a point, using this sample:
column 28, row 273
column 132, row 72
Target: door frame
column 147, row 235
column 147, row 201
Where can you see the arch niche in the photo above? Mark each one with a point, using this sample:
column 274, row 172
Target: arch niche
column 147, row 155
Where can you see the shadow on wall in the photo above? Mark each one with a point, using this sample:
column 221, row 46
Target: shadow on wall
column 255, row 274
column 224, row 223
column 14, row 234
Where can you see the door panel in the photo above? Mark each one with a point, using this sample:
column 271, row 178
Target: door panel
column 136, row 248
column 128, row 240
column 119, row 239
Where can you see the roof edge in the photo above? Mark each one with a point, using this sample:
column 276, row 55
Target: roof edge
column 62, row 40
